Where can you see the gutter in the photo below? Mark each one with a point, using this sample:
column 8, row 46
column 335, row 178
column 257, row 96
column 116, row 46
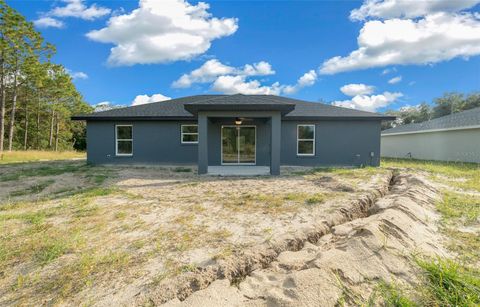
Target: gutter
column 432, row 130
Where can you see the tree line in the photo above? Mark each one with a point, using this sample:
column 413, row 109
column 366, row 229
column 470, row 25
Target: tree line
column 447, row 104
column 37, row 96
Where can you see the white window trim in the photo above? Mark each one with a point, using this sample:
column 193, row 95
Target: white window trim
column 117, row 139
column 309, row 140
column 188, row 133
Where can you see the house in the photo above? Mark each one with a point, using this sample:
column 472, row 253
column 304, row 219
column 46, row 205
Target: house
column 258, row 132
column 454, row 137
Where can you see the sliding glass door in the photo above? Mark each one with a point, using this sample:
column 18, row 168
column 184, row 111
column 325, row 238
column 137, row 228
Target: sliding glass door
column 238, row 144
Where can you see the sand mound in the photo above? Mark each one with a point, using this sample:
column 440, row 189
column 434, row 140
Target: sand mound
column 345, row 264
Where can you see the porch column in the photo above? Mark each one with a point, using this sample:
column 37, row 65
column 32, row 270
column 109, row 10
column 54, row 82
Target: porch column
column 202, row 143
column 276, row 126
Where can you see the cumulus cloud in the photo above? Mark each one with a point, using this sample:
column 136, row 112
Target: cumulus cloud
column 388, row 9
column 435, row 38
column 355, row 89
column 239, row 84
column 369, row 102
column 161, row 32
column 49, row 22
column 212, row 69
column 144, row 99
column 308, row 79
column 78, row 9
column 395, row 80
column 232, row 80
column 77, row 74
column 105, row 106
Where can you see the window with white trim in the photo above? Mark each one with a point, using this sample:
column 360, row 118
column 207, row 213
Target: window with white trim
column 189, row 134
column 306, row 140
column 124, row 140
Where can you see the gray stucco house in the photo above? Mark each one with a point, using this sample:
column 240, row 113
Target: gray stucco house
column 234, row 130
column 455, row 137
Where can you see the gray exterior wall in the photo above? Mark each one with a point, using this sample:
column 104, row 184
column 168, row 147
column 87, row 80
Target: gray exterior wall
column 337, row 143
column 453, row 145
column 153, row 142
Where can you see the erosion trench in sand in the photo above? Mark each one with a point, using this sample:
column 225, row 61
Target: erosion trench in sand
column 371, row 240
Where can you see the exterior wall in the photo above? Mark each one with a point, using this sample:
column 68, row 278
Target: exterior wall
column 454, row 145
column 153, row 142
column 215, row 141
column 337, row 143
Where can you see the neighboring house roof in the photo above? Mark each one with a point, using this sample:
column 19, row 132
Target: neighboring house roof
column 457, row 121
column 179, row 108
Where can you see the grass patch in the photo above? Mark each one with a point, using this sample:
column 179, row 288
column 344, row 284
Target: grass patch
column 82, row 272
column 51, row 250
column 459, row 208
column 447, row 172
column 317, row 198
column 391, row 295
column 465, row 244
column 449, row 284
column 274, row 203
column 37, row 155
column 182, row 169
column 45, row 170
column 34, row 189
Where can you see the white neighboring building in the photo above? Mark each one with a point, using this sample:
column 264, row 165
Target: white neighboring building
column 454, row 137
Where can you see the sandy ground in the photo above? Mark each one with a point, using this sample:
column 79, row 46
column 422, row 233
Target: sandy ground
column 119, row 239
column 344, row 266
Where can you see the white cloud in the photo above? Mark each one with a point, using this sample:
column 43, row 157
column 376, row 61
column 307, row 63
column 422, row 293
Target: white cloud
column 435, row 38
column 161, row 32
column 395, row 80
column 388, row 70
column 212, row 69
column 308, row 79
column 143, row 99
column 105, row 106
column 369, row 102
column 355, row 89
column 239, row 84
column 77, row 74
column 49, row 22
column 78, row 9
column 232, row 80
column 387, row 9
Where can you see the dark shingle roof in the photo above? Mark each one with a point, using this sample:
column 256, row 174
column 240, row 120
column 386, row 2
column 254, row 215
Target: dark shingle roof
column 176, row 108
column 457, row 120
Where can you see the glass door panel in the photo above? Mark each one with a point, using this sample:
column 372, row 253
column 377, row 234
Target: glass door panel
column 229, row 145
column 238, row 144
column 247, row 145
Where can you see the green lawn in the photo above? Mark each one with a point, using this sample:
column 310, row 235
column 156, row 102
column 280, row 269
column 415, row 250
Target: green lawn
column 37, row 155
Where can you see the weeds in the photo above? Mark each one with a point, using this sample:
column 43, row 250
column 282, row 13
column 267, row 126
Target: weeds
column 392, row 295
column 181, row 169
column 35, row 155
column 450, row 284
column 34, row 189
column 459, row 207
column 447, row 172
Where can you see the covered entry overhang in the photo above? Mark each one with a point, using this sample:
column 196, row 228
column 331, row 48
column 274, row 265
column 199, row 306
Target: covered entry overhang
column 235, row 138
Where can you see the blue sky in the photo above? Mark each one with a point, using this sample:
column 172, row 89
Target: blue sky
column 432, row 48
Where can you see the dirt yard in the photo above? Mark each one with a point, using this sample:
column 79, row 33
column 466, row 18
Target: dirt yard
column 75, row 234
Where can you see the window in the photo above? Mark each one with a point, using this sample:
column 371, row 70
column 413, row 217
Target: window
column 306, row 140
column 124, row 140
column 189, row 134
